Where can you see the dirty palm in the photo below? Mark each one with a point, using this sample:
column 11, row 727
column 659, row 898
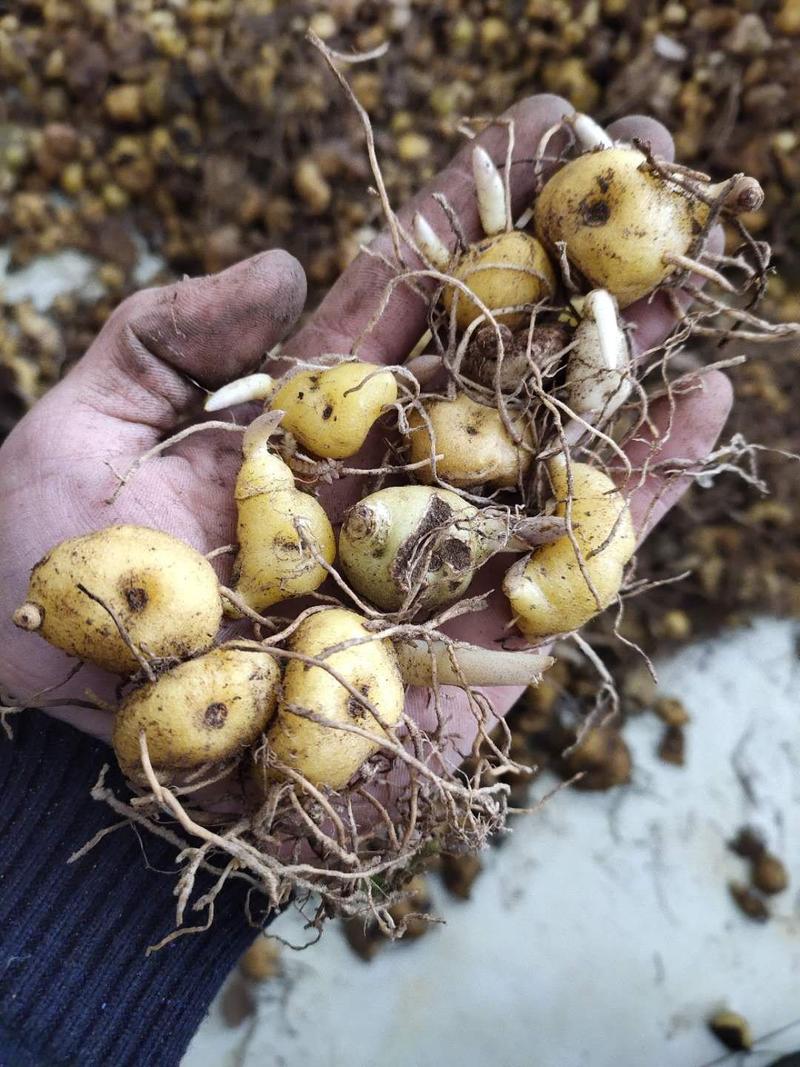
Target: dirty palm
column 455, row 461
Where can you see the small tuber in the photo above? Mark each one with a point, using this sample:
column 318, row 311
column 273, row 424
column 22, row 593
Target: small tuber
column 549, row 591
column 331, row 411
column 276, row 525
column 201, row 712
column 472, row 445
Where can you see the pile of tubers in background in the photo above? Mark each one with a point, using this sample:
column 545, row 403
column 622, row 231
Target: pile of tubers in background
column 511, row 413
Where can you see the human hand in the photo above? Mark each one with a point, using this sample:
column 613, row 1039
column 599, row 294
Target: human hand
column 137, row 384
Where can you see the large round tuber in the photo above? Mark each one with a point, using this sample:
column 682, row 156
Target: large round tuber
column 163, row 593
column 620, row 220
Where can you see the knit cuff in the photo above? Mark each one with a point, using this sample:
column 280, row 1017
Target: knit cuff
column 75, row 983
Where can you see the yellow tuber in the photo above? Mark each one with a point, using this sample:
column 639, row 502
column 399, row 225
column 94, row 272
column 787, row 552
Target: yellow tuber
column 472, row 443
column 203, row 711
column 331, row 411
column 164, row 594
column 507, row 268
column 624, row 226
column 410, row 539
column 274, row 561
column 548, row 591
column 323, row 754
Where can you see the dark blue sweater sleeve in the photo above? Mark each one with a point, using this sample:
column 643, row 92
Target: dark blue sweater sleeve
column 75, row 984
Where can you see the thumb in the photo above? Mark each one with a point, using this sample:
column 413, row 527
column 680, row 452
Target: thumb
column 161, row 343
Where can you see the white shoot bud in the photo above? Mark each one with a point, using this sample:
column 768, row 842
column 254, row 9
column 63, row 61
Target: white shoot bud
column 490, row 191
column 430, row 244
column 589, row 134
column 598, row 380
column 242, row 391
column 260, row 430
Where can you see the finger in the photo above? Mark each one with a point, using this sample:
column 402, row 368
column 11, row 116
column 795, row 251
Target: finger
column 455, row 710
column 644, row 128
column 359, row 293
column 144, row 364
column 687, row 433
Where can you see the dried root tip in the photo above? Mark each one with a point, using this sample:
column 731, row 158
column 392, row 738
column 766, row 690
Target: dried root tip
column 589, row 134
column 421, row 660
column 28, row 617
column 497, row 532
column 242, row 391
column 430, row 244
column 490, row 192
column 260, row 430
column 743, row 196
column 597, row 378
column 535, row 530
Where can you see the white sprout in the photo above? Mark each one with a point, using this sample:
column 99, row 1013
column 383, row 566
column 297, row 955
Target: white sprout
column 598, row 379
column 241, row 391
column 490, row 192
column 589, row 134
column 430, row 244
column 423, row 661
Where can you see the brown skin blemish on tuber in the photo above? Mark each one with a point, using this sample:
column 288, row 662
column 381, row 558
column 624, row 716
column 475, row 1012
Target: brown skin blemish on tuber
column 137, row 598
column 215, row 715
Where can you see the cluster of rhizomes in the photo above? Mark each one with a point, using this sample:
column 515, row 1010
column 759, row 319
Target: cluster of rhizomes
column 505, row 433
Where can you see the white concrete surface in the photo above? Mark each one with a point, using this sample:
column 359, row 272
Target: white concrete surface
column 602, row 933
column 68, row 271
